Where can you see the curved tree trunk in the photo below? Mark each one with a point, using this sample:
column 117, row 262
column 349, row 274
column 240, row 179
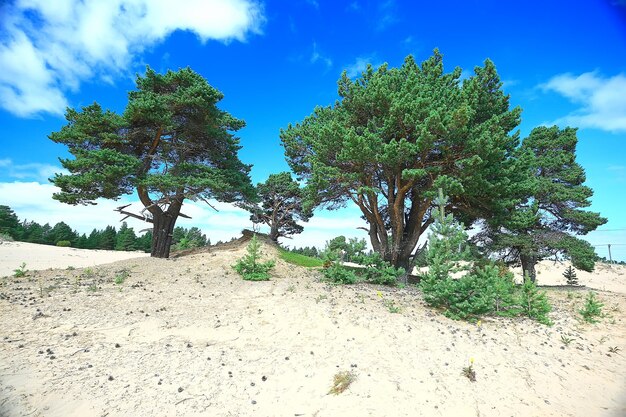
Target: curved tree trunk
column 528, row 266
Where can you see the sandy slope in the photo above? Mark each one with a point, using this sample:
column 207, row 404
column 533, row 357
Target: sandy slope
column 38, row 257
column 188, row 337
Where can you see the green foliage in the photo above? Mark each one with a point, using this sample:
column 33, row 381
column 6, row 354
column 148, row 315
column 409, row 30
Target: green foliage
column 9, row 223
column 551, row 207
column 397, row 135
column 480, row 290
column 592, row 308
column 125, row 238
column 172, row 143
column 121, row 276
column 188, row 239
column 377, row 271
column 337, row 274
column 570, row 276
column 250, row 267
column 534, row 303
column 64, row 243
column 21, row 271
column 348, row 250
column 282, row 205
column 299, row 259
column 6, row 237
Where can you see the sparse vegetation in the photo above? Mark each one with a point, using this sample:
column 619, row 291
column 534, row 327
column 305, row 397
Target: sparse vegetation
column 614, row 349
column 469, row 371
column 341, row 382
column 21, row 271
column 121, row 276
column 250, row 267
column 592, row 308
column 391, row 306
column 566, row 340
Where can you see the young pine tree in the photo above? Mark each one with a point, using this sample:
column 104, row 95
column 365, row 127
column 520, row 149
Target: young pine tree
column 570, row 276
column 250, row 266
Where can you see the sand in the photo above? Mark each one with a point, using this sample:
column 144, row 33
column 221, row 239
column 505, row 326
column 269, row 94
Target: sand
column 38, row 257
column 188, row 337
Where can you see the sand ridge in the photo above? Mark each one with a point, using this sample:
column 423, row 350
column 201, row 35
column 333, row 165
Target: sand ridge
column 188, row 337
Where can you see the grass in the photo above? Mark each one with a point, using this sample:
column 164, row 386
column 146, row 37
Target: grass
column 299, row 260
column 121, row 276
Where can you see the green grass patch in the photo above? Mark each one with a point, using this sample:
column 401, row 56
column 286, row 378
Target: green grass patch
column 298, row 259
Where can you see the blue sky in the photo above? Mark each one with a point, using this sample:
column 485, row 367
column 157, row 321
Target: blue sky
column 561, row 61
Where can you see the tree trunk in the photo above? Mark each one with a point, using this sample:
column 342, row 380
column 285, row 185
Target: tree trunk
column 162, row 233
column 528, row 266
column 274, row 232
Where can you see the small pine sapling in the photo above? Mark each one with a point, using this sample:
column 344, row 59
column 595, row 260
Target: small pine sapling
column 534, row 303
column 570, row 276
column 592, row 309
column 250, row 267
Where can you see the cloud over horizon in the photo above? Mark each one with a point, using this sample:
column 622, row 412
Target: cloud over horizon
column 602, row 100
column 50, row 47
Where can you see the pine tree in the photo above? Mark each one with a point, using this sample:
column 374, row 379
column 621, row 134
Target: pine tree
column 172, row 144
column 552, row 207
column 9, row 223
column 570, row 276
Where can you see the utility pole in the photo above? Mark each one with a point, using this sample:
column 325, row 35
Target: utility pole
column 610, row 258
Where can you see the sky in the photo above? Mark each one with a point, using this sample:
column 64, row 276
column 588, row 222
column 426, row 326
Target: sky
column 561, row 61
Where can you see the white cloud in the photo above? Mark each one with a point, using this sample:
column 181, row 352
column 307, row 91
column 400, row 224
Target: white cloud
column 360, row 64
column 602, row 100
column 31, row 171
column 316, row 56
column 50, row 47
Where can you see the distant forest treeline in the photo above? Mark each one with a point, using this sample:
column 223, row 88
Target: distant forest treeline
column 61, row 234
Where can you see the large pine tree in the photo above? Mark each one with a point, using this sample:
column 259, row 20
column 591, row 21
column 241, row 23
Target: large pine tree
column 172, row 143
column 399, row 134
column 553, row 210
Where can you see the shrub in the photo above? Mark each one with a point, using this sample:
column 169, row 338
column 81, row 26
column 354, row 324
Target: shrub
column 337, row 274
column 64, row 243
column 378, row 271
column 534, row 303
column 250, row 267
column 591, row 309
column 480, row 292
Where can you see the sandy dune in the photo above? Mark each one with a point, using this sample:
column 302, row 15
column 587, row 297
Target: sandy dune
column 188, row 337
column 38, row 257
